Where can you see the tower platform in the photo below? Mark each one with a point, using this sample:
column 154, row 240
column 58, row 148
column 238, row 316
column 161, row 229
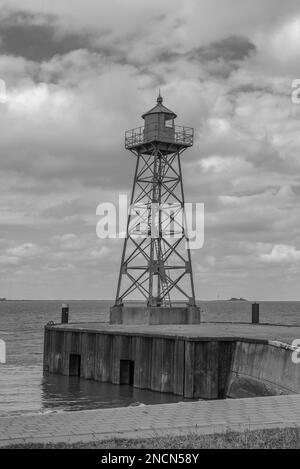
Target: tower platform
column 160, row 315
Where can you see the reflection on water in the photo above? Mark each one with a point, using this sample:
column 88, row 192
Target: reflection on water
column 72, row 393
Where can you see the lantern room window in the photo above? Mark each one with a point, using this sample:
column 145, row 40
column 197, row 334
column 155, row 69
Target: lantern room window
column 169, row 122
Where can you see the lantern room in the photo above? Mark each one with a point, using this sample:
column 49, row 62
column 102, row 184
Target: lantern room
column 159, row 129
column 159, row 123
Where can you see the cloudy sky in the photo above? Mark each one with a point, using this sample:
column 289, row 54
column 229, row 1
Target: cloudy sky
column 79, row 73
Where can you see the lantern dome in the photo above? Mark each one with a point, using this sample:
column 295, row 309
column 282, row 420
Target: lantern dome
column 159, row 108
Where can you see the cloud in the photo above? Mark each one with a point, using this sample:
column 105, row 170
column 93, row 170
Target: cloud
column 24, row 250
column 282, row 254
column 67, row 242
column 36, row 38
column 232, row 49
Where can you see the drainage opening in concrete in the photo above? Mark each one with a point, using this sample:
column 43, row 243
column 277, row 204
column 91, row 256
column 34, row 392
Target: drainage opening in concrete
column 74, row 364
column 126, row 372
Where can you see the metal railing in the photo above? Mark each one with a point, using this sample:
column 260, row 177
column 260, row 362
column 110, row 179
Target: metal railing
column 154, row 132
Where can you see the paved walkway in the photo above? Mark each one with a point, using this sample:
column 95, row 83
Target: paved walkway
column 203, row 417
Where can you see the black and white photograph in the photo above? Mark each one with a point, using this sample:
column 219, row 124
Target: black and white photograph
column 149, row 228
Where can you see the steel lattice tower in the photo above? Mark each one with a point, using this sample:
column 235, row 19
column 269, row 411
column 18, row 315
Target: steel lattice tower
column 158, row 263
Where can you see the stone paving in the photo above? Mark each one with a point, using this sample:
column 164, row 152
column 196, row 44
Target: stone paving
column 203, row 417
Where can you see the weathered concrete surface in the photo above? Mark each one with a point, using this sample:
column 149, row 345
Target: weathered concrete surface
column 136, row 315
column 209, row 361
column 202, row 417
column 263, row 369
column 180, row 366
column 205, row 331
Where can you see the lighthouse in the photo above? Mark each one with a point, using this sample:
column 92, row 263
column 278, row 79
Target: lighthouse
column 156, row 265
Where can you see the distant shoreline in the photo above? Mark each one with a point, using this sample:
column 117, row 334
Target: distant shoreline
column 66, row 300
column 237, row 299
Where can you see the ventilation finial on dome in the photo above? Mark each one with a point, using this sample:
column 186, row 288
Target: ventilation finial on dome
column 159, row 99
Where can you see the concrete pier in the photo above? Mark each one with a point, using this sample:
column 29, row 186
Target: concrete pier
column 207, row 361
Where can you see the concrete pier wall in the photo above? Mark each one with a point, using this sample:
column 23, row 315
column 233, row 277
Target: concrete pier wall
column 193, row 368
column 263, row 370
column 180, row 366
